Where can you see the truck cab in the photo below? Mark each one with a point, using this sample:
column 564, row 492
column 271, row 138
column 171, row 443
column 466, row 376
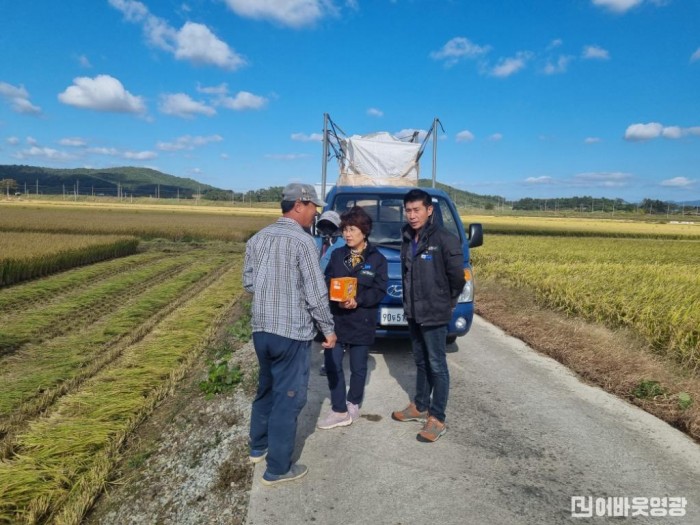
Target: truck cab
column 384, row 204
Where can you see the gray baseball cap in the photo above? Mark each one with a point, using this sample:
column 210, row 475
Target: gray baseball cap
column 296, row 191
column 330, row 216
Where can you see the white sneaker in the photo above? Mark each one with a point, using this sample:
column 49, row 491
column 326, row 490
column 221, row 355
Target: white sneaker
column 353, row 410
column 335, row 419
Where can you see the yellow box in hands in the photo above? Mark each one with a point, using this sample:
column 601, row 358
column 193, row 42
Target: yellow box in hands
column 343, row 288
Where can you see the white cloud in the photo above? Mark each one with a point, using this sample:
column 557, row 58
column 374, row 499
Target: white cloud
column 286, row 156
column 495, row 137
column 133, row 11
column 13, row 141
column 18, row 98
column 127, row 154
column 540, row 180
column 303, row 137
column 44, row 153
column 652, row 130
column 638, row 132
column 417, row 134
column 672, row 132
column 84, row 61
column 196, row 43
column 181, row 105
column 292, row 13
column 617, row 6
column 557, row 42
column 193, row 42
column 464, row 136
column 31, row 141
column 75, row 142
column 558, row 67
column 591, row 140
column 112, row 152
column 221, row 89
column 678, row 182
column 188, row 142
column 139, row 155
column 102, row 93
column 242, row 101
column 695, row 56
column 457, row 49
column 595, row 53
column 374, row 112
column 615, row 179
column 509, row 66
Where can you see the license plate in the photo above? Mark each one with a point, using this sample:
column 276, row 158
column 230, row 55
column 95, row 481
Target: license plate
column 392, row 317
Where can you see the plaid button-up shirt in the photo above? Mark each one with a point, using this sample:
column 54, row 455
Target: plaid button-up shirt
column 282, row 272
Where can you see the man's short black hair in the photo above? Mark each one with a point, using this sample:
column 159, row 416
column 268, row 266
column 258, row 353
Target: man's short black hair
column 287, row 206
column 417, row 195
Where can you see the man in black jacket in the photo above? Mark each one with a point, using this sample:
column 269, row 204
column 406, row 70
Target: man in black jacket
column 433, row 277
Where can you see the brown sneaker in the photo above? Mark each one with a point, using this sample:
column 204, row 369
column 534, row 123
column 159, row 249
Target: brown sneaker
column 432, row 430
column 410, row 413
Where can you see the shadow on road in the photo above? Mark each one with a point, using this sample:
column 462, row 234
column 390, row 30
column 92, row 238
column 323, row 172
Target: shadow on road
column 318, row 395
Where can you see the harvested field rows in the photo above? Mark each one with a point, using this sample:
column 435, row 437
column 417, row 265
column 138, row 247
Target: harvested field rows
column 70, row 395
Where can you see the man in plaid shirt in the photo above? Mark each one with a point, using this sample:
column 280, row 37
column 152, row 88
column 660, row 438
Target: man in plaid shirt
column 290, row 299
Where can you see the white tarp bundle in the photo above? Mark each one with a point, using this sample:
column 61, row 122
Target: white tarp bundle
column 378, row 159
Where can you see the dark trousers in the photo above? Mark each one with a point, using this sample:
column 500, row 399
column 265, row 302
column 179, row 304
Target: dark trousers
column 282, row 384
column 333, row 357
column 433, row 376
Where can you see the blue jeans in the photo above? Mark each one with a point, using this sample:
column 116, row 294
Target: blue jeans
column 282, row 384
column 333, row 358
column 432, row 377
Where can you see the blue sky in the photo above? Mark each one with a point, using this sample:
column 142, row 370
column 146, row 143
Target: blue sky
column 537, row 98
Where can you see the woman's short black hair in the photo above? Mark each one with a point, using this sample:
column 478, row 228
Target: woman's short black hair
column 357, row 217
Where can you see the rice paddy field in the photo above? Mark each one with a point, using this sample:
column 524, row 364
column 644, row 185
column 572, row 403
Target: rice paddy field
column 649, row 285
column 88, row 351
column 27, row 255
column 583, row 227
column 177, row 223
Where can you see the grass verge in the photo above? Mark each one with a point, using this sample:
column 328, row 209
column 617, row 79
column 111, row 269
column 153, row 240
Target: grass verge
column 618, row 361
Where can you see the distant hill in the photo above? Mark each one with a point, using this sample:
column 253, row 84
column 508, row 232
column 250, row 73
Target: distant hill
column 464, row 198
column 138, row 182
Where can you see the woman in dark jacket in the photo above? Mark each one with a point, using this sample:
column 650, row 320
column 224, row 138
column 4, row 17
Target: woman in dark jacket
column 356, row 318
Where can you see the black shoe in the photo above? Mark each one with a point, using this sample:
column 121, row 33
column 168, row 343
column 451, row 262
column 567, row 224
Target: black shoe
column 323, row 370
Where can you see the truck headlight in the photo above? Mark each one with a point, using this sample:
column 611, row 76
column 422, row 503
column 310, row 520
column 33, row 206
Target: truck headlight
column 467, row 295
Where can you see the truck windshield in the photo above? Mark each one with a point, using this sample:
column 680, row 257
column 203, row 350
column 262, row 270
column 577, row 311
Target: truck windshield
column 388, row 217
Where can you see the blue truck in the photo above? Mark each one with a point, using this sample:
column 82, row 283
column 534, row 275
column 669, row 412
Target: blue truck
column 375, row 172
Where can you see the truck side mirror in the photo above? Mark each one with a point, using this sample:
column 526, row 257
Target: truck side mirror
column 476, row 235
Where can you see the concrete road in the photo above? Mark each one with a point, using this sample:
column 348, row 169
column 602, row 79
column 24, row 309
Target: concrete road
column 524, row 437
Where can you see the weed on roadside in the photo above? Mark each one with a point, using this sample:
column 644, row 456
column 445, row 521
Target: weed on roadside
column 221, row 378
column 648, row 389
column 241, row 329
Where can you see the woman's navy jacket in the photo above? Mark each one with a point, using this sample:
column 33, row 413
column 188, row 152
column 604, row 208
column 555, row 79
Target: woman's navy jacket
column 358, row 326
